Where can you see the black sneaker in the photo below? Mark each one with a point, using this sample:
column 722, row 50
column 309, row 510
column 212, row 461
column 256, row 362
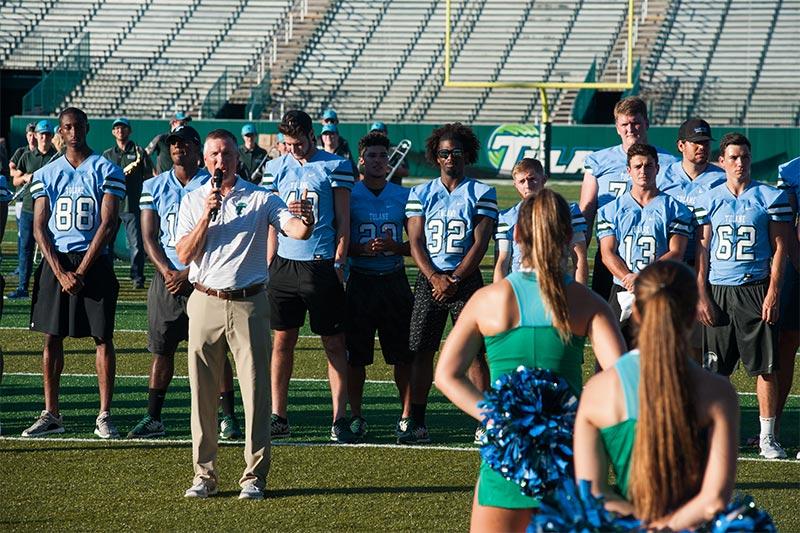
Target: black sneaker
column 279, row 427
column 413, row 434
column 341, row 433
column 358, row 425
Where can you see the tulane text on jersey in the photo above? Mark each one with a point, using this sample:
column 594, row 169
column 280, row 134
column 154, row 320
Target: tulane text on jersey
column 450, row 217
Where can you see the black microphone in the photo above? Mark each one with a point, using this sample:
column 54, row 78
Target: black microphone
column 217, row 183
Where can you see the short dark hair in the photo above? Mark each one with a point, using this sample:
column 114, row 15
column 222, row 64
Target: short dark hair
column 373, row 138
column 30, row 128
column 644, row 150
column 296, row 123
column 733, row 139
column 75, row 112
column 453, row 132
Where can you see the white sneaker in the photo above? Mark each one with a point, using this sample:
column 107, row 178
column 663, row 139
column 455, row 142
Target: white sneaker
column 46, row 424
column 798, row 455
column 104, row 427
column 771, row 449
column 251, row 491
column 201, row 489
column 480, row 431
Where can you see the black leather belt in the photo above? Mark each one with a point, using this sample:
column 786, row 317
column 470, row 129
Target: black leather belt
column 232, row 294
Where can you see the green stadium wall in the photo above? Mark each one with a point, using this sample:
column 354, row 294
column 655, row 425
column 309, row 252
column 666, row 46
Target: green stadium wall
column 501, row 145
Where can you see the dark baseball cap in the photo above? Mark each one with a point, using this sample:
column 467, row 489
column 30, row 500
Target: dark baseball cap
column 184, row 133
column 695, row 130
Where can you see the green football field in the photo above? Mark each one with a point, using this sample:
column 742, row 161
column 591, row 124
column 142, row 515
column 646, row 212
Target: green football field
column 77, row 482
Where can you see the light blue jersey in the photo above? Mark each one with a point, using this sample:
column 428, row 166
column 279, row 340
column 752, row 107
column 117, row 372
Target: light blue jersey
column 643, row 233
column 610, row 167
column 450, row 217
column 323, row 173
column 5, row 192
column 677, row 183
column 789, row 179
column 740, row 249
column 75, row 196
column 163, row 194
column 374, row 216
column 508, row 219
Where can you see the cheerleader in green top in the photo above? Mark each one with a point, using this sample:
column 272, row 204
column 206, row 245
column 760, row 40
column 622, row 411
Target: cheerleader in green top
column 537, row 317
column 668, row 427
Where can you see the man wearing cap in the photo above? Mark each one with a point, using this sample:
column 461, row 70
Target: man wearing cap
column 30, row 162
column 251, row 155
column 159, row 146
column 332, row 142
column 342, row 148
column 137, row 167
column 402, row 170
column 222, row 236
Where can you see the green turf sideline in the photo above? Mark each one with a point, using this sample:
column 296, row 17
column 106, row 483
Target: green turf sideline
column 299, row 380
column 471, row 448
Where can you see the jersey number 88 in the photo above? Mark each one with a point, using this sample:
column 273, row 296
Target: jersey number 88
column 78, row 213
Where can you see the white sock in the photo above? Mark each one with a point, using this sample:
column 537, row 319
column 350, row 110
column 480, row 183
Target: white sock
column 767, row 426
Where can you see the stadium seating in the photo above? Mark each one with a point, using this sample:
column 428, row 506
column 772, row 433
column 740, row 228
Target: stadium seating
column 729, row 62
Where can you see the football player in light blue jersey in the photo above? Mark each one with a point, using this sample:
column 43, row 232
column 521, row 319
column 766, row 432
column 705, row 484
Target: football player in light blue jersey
column 529, row 179
column 740, row 253
column 76, row 209
column 378, row 295
column 450, row 222
column 168, row 323
column 309, row 275
column 688, row 179
column 789, row 325
column 606, row 176
column 642, row 226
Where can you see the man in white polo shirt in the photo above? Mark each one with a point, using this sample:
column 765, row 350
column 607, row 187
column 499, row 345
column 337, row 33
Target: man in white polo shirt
column 222, row 236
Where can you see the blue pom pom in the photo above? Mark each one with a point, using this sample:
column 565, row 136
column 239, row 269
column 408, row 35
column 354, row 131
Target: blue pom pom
column 574, row 508
column 529, row 415
column 741, row 515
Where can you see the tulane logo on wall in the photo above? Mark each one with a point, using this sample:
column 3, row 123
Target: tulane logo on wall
column 511, row 142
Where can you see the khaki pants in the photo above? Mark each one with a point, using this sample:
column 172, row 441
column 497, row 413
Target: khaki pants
column 216, row 325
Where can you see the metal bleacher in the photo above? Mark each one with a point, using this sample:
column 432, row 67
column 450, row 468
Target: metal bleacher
column 730, row 62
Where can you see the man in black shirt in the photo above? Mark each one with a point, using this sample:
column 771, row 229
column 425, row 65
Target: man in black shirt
column 251, row 155
column 159, row 146
column 137, row 167
column 30, row 162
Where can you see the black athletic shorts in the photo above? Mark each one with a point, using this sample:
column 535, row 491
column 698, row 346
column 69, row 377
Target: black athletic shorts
column 379, row 303
column 627, row 326
column 739, row 332
column 602, row 280
column 90, row 313
column 297, row 286
column 789, row 319
column 168, row 323
column 429, row 316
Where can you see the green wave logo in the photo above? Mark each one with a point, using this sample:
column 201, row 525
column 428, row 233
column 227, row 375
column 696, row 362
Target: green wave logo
column 511, row 142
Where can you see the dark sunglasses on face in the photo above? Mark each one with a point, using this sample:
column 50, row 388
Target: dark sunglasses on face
column 444, row 154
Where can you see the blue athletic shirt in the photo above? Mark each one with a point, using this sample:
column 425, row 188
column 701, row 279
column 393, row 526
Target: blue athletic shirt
column 323, row 173
column 789, row 178
column 374, row 216
column 643, row 233
column 75, row 196
column 508, row 219
column 5, row 192
column 677, row 183
column 450, row 217
column 163, row 194
column 740, row 246
column 610, row 167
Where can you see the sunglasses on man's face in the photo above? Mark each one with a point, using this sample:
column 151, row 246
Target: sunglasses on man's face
column 444, row 154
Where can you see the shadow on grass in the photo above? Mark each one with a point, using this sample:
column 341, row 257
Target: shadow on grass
column 322, row 491
column 780, row 485
column 88, row 447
